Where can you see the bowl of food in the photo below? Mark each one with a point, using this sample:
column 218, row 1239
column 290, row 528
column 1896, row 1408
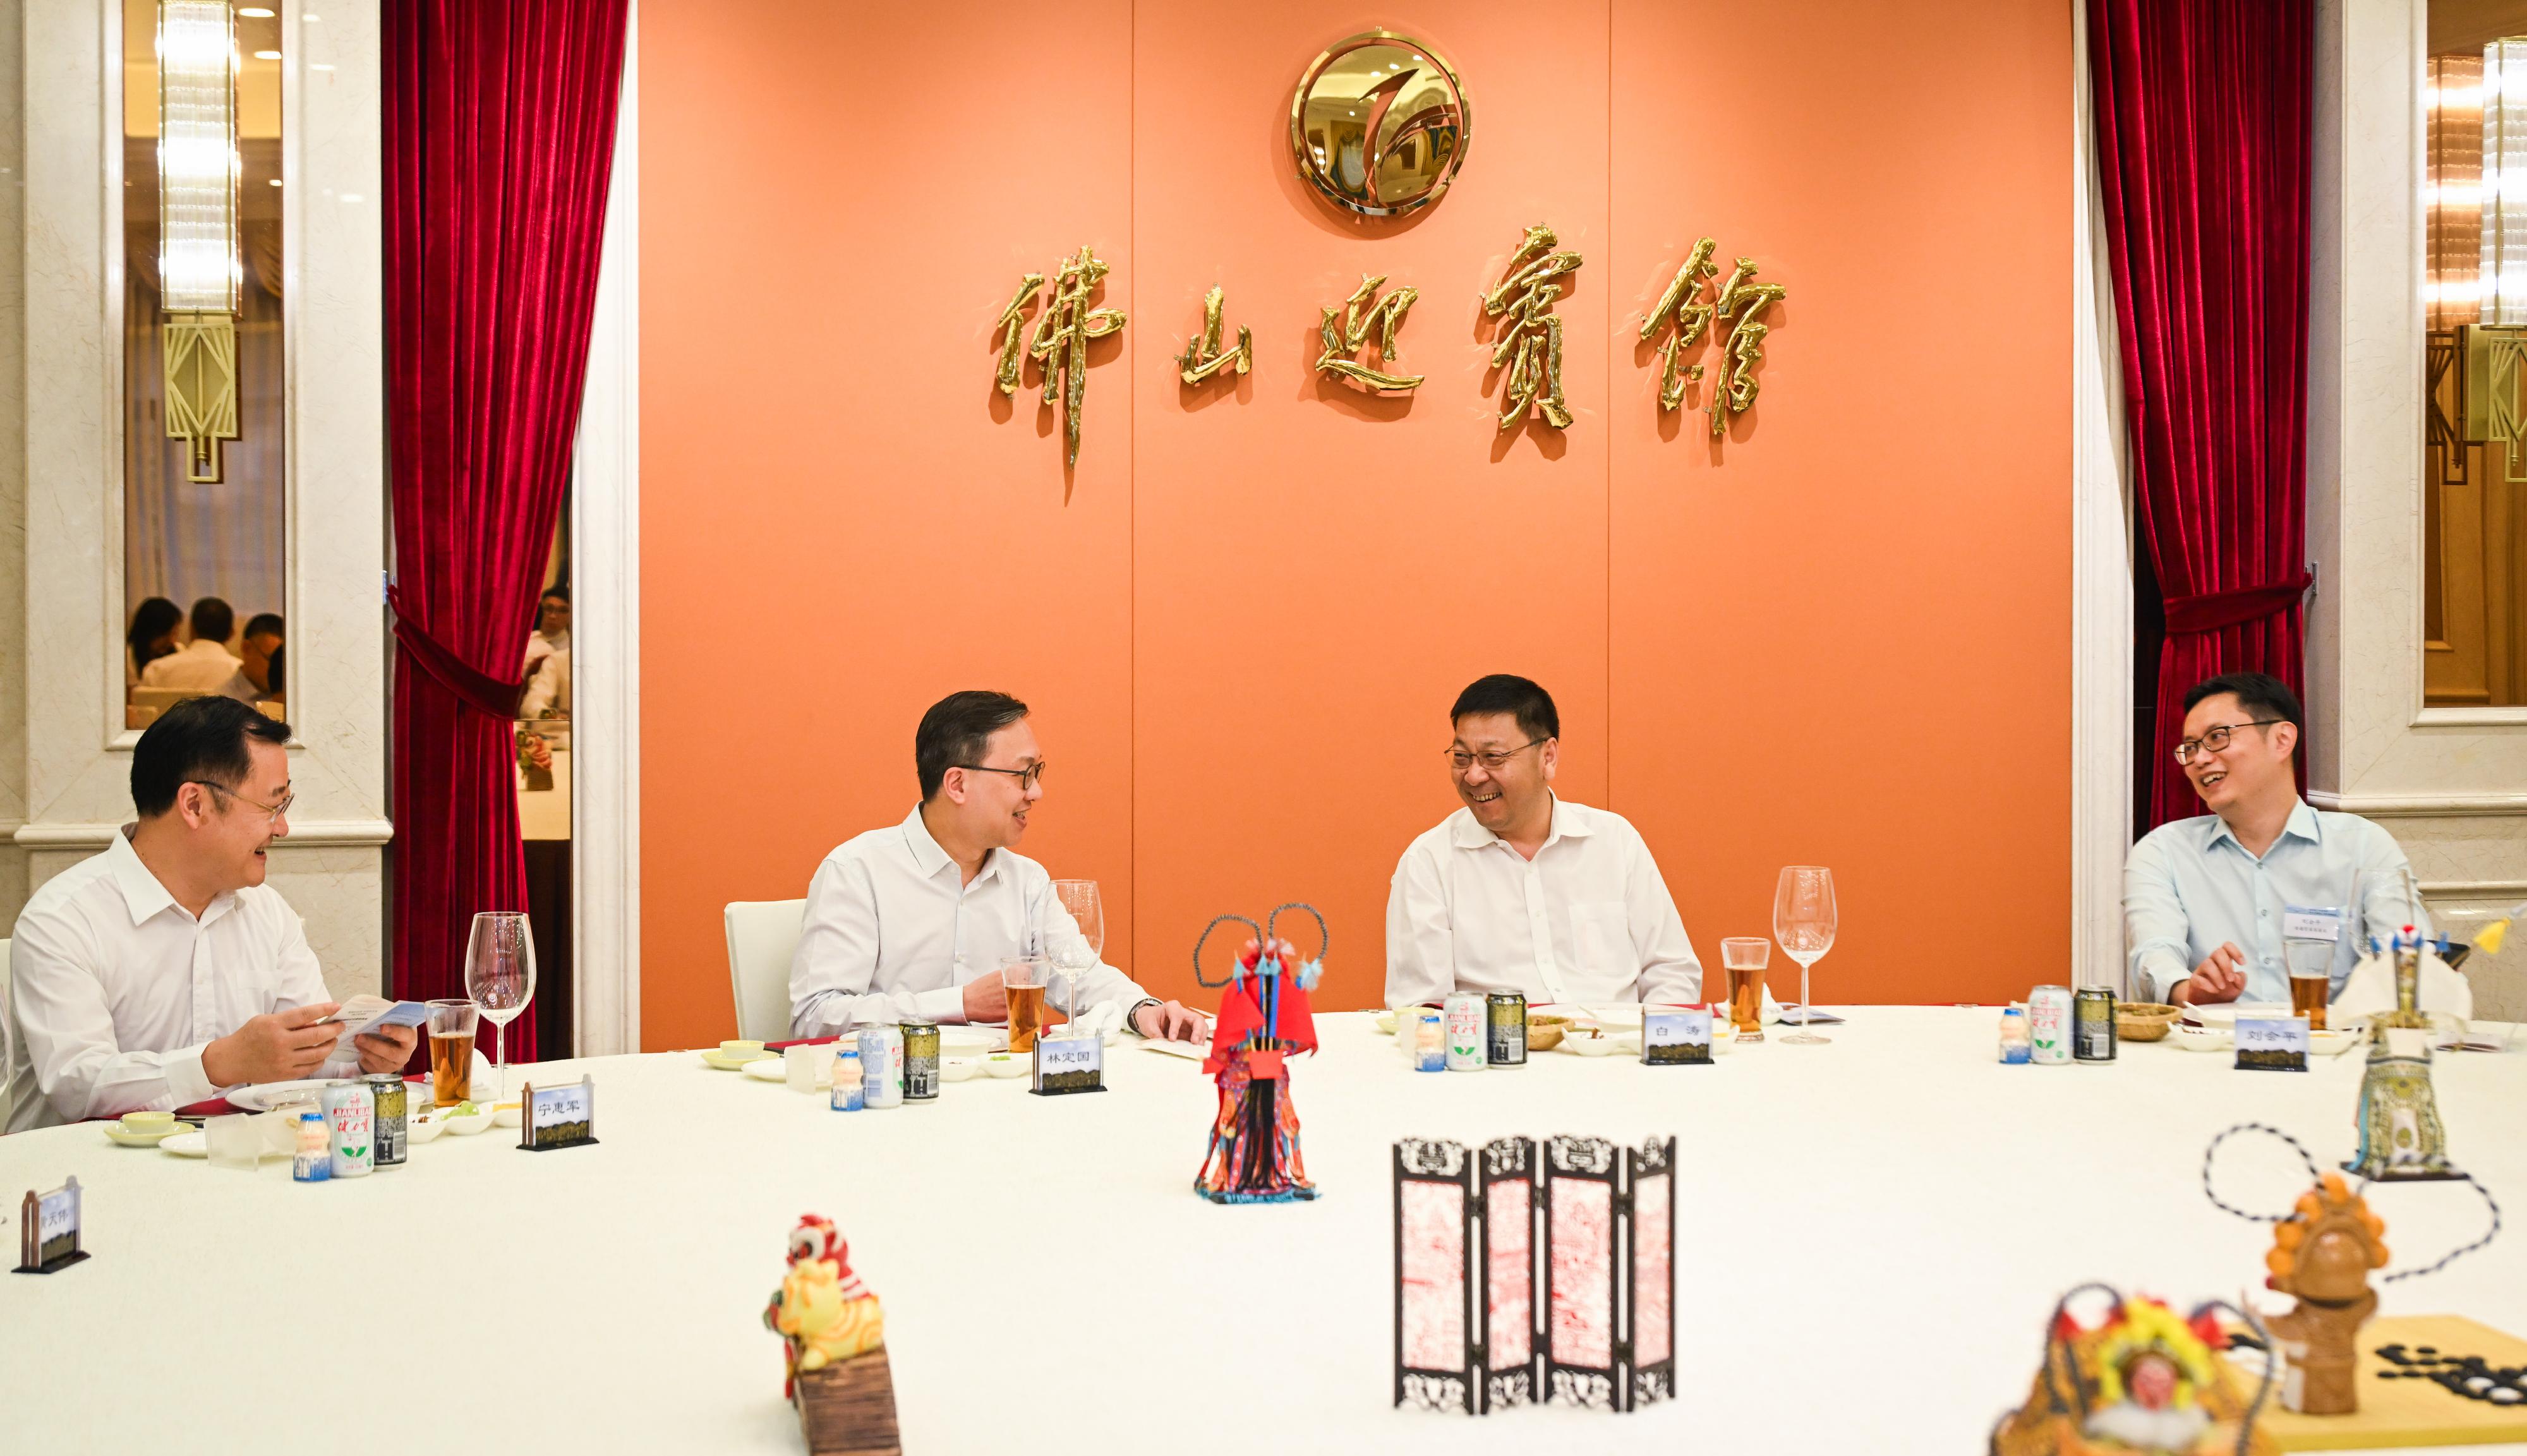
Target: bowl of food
column 2143, row 1020
column 466, row 1119
column 1589, row 1040
column 959, row 1069
column 424, row 1127
column 1544, row 1033
column 1007, row 1065
column 506, row 1114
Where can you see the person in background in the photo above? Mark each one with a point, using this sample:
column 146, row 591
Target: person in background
column 164, row 970
column 204, row 665
column 261, row 655
column 916, row 918
column 1521, row 889
column 548, row 692
column 552, row 628
column 2209, row 900
column 152, row 637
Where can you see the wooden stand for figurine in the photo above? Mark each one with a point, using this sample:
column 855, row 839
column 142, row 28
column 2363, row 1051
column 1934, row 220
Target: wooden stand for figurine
column 847, row 1408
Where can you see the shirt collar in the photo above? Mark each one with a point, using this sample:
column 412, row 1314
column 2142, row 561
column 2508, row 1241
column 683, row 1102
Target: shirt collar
column 2301, row 824
column 1469, row 833
column 928, row 856
column 142, row 895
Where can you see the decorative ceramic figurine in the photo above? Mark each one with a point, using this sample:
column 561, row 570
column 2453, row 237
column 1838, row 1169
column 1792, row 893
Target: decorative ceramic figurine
column 1264, row 1020
column 834, row 1337
column 2323, row 1253
column 2145, row 1379
column 2401, row 1135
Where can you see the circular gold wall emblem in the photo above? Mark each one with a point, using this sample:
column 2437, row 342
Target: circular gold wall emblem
column 1379, row 124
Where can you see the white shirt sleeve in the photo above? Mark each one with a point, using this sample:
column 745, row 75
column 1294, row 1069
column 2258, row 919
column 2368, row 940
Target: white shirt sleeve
column 1671, row 974
column 833, row 971
column 1420, row 939
column 2156, row 933
column 61, row 1010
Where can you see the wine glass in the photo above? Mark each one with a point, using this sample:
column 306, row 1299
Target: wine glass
column 1076, row 955
column 1803, row 921
column 500, row 978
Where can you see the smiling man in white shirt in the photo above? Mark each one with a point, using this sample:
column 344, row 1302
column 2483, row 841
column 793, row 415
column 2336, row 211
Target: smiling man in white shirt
column 162, row 970
column 1521, row 889
column 915, row 919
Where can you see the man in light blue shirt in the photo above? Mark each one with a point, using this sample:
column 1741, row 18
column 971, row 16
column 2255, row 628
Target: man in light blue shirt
column 2209, row 902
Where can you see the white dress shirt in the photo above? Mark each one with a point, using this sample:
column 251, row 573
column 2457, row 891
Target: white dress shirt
column 891, row 934
column 547, row 686
column 542, row 646
column 114, row 989
column 1587, row 919
column 2188, row 886
column 198, row 666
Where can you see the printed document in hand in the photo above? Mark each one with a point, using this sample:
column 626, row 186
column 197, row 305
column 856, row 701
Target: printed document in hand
column 362, row 1015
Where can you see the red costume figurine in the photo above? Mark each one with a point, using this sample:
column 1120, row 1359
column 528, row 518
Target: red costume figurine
column 1264, row 1020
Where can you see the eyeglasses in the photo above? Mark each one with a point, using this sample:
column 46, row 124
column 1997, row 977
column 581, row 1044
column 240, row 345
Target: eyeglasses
column 273, row 809
column 1027, row 778
column 1492, row 759
column 2216, row 737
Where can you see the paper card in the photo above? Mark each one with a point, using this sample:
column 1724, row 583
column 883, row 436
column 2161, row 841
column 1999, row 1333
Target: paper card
column 49, row 1229
column 2272, row 1044
column 363, row 1014
column 1676, row 1037
column 1068, row 1063
column 2311, row 922
column 558, row 1116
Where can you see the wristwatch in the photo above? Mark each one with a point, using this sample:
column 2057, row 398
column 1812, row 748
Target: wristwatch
column 1132, row 1017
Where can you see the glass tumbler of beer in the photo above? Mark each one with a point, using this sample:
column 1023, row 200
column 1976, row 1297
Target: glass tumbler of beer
column 1745, row 956
column 2312, row 979
column 1022, row 982
column 451, row 1051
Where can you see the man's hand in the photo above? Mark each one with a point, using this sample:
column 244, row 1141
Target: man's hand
column 1169, row 1020
column 388, row 1050
column 275, row 1047
column 985, row 1000
column 2220, row 977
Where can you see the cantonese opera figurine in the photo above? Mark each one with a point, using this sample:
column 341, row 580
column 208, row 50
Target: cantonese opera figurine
column 2323, row 1253
column 822, row 1311
column 1263, row 1020
column 2143, row 1379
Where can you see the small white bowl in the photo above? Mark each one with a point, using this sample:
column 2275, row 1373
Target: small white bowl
column 1579, row 1042
column 422, row 1129
column 506, row 1116
column 1385, row 1021
column 468, row 1127
column 958, row 1068
column 973, row 1045
column 1008, row 1064
column 2200, row 1038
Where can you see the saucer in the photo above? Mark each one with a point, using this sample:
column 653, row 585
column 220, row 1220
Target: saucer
column 767, row 1070
column 713, row 1059
column 126, row 1137
column 194, row 1144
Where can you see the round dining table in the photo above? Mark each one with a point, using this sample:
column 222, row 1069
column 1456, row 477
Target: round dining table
column 1871, row 1238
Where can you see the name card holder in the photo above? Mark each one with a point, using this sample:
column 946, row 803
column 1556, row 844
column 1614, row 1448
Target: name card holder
column 2272, row 1044
column 1065, row 1065
column 1676, row 1038
column 48, row 1229
column 563, row 1116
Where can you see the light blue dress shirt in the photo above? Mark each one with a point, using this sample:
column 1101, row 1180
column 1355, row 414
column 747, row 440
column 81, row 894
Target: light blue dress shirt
column 2188, row 886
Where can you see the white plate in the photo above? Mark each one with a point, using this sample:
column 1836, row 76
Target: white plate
column 713, row 1059
column 2223, row 1015
column 263, row 1096
column 195, row 1144
column 769, row 1070
column 1384, row 1021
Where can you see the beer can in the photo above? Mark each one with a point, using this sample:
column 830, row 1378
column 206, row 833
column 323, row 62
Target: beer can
column 921, row 1061
column 1507, row 1046
column 386, row 1092
column 1425, row 1030
column 880, row 1066
column 314, row 1160
column 2093, row 1024
column 1463, row 1013
column 351, row 1122
column 2048, row 1027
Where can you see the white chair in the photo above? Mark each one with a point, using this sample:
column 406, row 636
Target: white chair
column 761, row 935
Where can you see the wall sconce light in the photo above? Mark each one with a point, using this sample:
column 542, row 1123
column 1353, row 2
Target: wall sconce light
column 199, row 267
column 2504, row 280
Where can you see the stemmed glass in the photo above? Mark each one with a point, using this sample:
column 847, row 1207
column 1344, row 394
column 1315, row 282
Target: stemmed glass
column 1803, row 921
column 1076, row 955
column 500, row 977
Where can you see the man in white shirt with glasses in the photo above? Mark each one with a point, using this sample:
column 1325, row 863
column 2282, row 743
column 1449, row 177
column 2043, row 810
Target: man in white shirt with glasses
column 915, row 920
column 1521, row 889
column 164, row 970
column 2211, row 903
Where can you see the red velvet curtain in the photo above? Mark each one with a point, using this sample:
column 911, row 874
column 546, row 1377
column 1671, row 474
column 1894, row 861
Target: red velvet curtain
column 2202, row 115
column 500, row 134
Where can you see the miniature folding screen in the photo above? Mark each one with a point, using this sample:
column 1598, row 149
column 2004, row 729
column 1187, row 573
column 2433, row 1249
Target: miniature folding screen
column 1583, row 1361
column 1435, row 1339
column 1650, row 1295
column 1508, row 1349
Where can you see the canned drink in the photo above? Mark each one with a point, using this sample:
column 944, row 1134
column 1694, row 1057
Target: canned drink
column 846, row 1096
column 313, row 1163
column 921, row 1061
column 1507, row 1012
column 1425, row 1030
column 880, row 1066
column 2093, row 1024
column 1464, row 1022
column 351, row 1122
column 2048, row 1027
column 386, row 1091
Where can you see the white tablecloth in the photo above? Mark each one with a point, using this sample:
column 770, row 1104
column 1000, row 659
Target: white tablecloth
column 1876, row 1231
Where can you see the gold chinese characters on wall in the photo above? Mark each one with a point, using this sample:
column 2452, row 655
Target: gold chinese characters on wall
column 1059, row 341
column 1740, row 298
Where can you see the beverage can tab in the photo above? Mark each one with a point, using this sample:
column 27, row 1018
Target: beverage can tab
column 2311, row 922
column 2272, row 1043
column 1680, row 1038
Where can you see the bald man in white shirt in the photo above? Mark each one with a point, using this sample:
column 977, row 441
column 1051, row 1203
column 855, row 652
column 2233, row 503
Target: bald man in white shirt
column 1520, row 890
column 163, row 971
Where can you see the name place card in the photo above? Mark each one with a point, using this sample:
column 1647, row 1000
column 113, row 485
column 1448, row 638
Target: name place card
column 561, row 1116
column 2272, row 1044
column 48, row 1229
column 1681, row 1037
column 1065, row 1065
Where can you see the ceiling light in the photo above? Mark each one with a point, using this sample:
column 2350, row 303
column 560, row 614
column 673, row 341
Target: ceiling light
column 200, row 269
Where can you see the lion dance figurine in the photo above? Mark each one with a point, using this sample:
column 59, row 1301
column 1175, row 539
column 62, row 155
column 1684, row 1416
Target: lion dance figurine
column 1264, row 1020
column 2323, row 1253
column 2145, row 1379
column 822, row 1310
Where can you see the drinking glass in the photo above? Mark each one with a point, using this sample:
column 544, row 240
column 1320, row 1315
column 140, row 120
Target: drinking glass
column 1745, row 956
column 451, row 1051
column 500, row 978
column 1022, row 983
column 1077, row 953
column 2312, row 979
column 1803, row 921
